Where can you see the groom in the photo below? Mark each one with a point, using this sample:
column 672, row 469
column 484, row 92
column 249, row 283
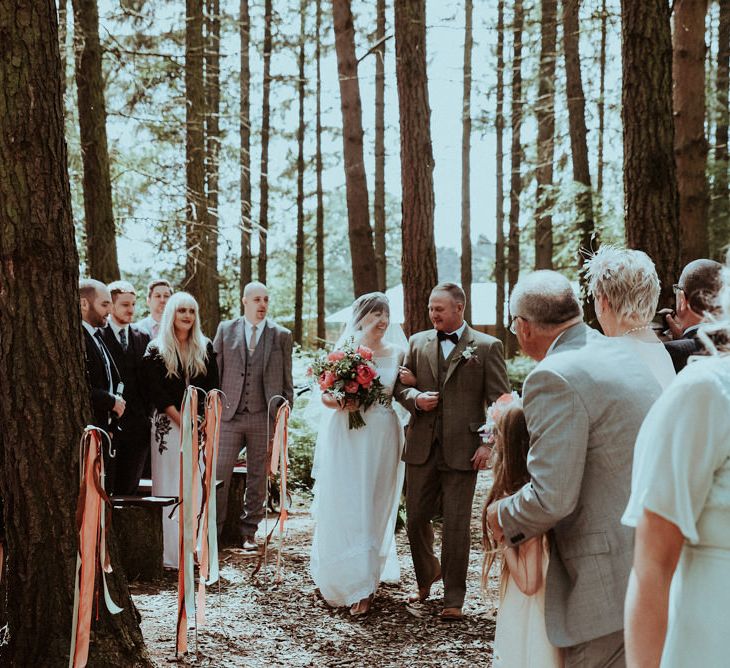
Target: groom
column 459, row 373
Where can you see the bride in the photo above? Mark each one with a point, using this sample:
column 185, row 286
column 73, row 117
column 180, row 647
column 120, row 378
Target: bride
column 359, row 475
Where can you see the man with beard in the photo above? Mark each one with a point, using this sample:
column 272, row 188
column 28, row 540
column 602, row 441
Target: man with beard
column 102, row 376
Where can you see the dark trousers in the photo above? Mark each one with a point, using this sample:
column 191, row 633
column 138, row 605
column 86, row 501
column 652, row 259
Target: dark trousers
column 132, row 444
column 431, row 487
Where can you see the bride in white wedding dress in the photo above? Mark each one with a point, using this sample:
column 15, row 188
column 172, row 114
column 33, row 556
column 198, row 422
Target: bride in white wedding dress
column 359, row 475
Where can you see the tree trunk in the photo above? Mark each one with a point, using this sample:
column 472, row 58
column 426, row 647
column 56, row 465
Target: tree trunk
column 364, row 269
column 39, row 427
column 499, row 267
column 319, row 232
column 196, row 261
column 101, row 240
column 62, row 37
column 212, row 162
column 465, row 166
column 545, row 111
column 379, row 204
column 602, row 99
column 419, row 247
column 720, row 228
column 245, row 155
column 690, row 145
column 650, row 186
column 513, row 242
column 579, row 144
column 265, row 126
column 299, row 280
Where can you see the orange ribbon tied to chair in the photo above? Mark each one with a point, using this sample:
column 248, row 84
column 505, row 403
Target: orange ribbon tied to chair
column 280, row 458
column 92, row 558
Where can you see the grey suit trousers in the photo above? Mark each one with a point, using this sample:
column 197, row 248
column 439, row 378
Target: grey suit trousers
column 604, row 652
column 429, row 487
column 245, row 430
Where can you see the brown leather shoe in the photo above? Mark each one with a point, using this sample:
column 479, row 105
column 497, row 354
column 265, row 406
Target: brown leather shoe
column 451, row 614
column 424, row 592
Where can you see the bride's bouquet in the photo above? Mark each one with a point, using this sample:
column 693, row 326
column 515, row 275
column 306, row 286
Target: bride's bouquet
column 350, row 376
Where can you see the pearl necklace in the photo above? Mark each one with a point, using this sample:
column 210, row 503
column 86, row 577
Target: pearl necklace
column 636, row 329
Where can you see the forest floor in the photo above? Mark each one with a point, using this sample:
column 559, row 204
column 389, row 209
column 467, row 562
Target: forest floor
column 253, row 622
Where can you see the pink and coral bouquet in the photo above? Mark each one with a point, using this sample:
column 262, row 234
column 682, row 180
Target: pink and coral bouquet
column 350, row 376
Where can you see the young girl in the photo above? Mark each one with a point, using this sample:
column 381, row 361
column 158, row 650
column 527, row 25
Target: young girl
column 520, row 640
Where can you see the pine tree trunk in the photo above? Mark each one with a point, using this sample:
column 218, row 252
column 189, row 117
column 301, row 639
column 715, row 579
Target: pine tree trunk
column 41, row 363
column 62, row 37
column 419, row 247
column 720, row 216
column 579, row 143
column 265, row 127
column 545, row 112
column 245, row 155
column 101, row 241
column 466, row 279
column 602, row 100
column 650, row 186
column 690, row 145
column 515, row 190
column 364, row 269
column 212, row 159
column 319, row 232
column 379, row 195
column 499, row 266
column 299, row 280
column 196, row 261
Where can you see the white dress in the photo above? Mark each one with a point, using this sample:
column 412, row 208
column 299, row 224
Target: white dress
column 165, row 461
column 520, row 640
column 358, row 480
column 682, row 473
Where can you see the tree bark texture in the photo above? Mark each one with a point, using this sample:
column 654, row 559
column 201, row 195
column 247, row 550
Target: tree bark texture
column 197, row 269
column 650, row 186
column 299, row 272
column 62, row 37
column 245, row 155
column 579, row 143
column 545, row 111
column 719, row 228
column 499, row 265
column 101, row 241
column 319, row 231
column 465, row 161
column 379, row 194
column 419, row 247
column 212, row 158
column 690, row 145
column 515, row 190
column 364, row 269
column 263, row 225
column 602, row 97
column 41, row 363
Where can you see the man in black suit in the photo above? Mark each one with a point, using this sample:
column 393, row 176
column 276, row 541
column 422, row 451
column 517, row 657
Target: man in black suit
column 127, row 345
column 102, row 376
column 696, row 297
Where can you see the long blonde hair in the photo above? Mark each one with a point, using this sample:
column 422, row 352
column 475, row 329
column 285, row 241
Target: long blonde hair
column 192, row 357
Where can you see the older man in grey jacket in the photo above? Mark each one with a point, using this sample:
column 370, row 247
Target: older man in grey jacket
column 584, row 404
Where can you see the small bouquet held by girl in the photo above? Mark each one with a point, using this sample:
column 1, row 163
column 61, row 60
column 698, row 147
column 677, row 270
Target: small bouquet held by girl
column 520, row 639
column 349, row 375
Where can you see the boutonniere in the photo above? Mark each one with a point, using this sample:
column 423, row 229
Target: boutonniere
column 469, row 355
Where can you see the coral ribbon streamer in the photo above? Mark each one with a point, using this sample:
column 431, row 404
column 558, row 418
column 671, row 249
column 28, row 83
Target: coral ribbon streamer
column 280, row 457
column 197, row 516
column 91, row 522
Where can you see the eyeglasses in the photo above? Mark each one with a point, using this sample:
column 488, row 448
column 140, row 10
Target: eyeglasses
column 677, row 288
column 513, row 323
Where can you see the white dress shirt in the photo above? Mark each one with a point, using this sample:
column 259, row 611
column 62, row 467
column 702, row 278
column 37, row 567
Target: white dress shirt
column 447, row 346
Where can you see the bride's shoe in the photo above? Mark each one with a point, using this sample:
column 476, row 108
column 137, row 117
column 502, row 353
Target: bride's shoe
column 424, row 592
column 362, row 607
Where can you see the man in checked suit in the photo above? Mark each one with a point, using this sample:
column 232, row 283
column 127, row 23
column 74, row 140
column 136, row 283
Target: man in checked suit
column 254, row 357
column 102, row 375
column 127, row 346
column 584, row 403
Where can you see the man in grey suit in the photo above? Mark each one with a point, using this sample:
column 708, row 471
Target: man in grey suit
column 254, row 357
column 584, row 404
column 459, row 372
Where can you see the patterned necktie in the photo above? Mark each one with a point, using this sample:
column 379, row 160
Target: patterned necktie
column 252, row 340
column 123, row 338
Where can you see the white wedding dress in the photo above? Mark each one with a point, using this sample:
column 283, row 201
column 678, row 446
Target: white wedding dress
column 358, row 480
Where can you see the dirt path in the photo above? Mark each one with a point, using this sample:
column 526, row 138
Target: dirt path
column 252, row 622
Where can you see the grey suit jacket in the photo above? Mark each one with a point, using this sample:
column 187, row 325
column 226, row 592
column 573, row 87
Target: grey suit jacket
column 584, row 404
column 470, row 386
column 230, row 345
